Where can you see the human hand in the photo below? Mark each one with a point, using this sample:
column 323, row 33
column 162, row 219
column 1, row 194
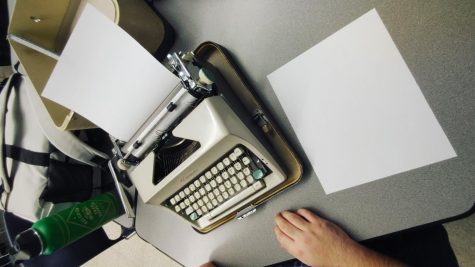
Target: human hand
column 208, row 264
column 319, row 242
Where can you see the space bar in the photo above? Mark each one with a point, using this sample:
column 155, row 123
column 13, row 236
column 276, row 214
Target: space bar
column 237, row 199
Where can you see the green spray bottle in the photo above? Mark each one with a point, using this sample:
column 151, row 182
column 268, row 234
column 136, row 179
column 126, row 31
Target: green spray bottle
column 60, row 229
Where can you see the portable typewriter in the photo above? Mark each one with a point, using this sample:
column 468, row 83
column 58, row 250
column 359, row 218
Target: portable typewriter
column 208, row 158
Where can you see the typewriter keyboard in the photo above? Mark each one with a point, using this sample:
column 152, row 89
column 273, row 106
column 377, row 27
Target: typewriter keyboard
column 232, row 179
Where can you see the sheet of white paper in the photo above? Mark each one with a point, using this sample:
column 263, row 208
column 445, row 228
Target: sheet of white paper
column 107, row 77
column 357, row 110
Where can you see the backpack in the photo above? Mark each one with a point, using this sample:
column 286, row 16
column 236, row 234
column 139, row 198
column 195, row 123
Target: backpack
column 42, row 168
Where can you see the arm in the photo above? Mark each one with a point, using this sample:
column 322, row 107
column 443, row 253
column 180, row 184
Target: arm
column 318, row 242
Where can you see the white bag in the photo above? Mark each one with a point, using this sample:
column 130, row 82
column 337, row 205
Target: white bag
column 27, row 133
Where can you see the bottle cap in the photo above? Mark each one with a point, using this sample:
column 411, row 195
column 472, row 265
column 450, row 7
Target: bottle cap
column 28, row 244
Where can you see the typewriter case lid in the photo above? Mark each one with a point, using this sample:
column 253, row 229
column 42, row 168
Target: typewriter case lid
column 48, row 23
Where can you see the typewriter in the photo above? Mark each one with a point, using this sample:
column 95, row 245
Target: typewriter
column 199, row 155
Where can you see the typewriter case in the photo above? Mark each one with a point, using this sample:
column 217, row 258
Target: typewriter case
column 212, row 54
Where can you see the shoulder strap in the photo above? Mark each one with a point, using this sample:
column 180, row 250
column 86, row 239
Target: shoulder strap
column 5, row 93
column 65, row 141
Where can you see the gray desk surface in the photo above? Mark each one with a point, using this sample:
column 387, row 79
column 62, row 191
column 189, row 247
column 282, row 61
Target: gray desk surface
column 437, row 40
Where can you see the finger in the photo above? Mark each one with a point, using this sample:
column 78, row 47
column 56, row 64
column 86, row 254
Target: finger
column 295, row 219
column 284, row 240
column 309, row 216
column 287, row 228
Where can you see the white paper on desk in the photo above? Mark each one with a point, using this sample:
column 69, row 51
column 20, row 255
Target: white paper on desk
column 107, row 77
column 357, row 110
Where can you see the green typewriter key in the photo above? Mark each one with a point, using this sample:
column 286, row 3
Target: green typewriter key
column 194, row 216
column 258, row 174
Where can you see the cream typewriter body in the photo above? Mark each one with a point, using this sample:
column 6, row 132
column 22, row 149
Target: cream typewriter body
column 195, row 155
column 230, row 169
